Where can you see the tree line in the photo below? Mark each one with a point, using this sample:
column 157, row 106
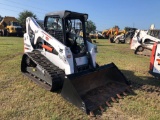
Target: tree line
column 90, row 25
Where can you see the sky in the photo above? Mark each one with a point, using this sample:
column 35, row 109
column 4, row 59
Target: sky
column 104, row 13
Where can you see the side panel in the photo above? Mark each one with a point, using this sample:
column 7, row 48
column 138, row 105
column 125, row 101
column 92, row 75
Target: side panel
column 27, row 44
column 93, row 50
column 135, row 43
column 60, row 61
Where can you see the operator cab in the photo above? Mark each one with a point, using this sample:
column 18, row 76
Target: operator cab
column 68, row 28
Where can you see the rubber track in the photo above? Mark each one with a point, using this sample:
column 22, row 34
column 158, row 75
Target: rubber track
column 53, row 71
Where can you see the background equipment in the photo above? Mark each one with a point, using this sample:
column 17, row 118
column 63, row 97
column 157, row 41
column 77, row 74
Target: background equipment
column 10, row 26
column 125, row 35
column 142, row 42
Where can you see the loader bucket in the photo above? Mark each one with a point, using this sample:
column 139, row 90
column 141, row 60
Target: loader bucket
column 91, row 89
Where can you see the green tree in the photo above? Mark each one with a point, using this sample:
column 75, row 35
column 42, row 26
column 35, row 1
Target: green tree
column 90, row 26
column 23, row 15
column 116, row 26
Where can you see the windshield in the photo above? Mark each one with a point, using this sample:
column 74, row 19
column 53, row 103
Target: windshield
column 74, row 35
column 54, row 23
column 15, row 24
column 75, row 31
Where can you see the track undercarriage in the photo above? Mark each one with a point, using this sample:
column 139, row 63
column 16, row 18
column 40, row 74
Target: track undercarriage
column 42, row 71
column 143, row 51
column 94, row 97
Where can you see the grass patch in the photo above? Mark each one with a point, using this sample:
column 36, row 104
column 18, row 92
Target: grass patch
column 22, row 99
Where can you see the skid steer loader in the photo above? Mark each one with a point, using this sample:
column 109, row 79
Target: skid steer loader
column 142, row 43
column 56, row 58
column 126, row 36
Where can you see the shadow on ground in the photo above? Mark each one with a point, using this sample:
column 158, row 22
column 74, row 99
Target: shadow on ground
column 104, row 45
column 149, row 84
